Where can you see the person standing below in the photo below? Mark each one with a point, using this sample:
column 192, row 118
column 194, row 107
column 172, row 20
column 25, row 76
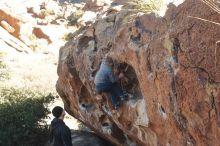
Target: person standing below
column 60, row 134
column 106, row 81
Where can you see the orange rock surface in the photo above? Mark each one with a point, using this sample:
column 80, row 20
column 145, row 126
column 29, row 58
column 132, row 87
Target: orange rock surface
column 173, row 67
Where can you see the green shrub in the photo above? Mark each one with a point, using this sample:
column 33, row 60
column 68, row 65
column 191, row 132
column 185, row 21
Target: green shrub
column 3, row 68
column 72, row 19
column 22, row 114
column 67, row 36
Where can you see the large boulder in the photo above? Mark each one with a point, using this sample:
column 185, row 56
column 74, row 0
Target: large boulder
column 174, row 76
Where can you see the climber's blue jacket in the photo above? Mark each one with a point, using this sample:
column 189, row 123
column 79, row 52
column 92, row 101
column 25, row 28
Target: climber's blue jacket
column 105, row 75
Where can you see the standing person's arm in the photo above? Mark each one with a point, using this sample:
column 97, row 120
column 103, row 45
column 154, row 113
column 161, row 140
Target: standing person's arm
column 66, row 136
column 51, row 134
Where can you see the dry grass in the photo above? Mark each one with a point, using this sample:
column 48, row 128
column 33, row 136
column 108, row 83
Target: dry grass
column 213, row 6
column 205, row 20
column 147, row 5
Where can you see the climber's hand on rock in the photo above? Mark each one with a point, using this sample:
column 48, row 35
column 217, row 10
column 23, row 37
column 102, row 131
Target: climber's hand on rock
column 121, row 75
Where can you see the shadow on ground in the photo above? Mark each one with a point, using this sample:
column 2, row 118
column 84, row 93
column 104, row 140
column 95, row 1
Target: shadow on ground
column 84, row 138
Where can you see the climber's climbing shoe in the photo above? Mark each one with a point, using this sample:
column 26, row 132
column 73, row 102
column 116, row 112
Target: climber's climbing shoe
column 125, row 94
column 116, row 106
column 123, row 99
column 129, row 96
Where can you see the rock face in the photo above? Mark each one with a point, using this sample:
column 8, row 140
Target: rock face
column 173, row 68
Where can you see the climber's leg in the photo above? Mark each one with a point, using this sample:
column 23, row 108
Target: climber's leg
column 115, row 103
column 107, row 88
column 117, row 91
column 103, row 87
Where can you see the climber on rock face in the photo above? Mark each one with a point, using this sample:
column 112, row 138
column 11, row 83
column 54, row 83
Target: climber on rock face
column 106, row 81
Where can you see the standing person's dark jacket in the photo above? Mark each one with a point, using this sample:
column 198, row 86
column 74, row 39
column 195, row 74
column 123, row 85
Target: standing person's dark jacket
column 60, row 134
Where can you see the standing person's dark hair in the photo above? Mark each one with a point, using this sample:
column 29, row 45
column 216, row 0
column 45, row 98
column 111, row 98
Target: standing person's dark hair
column 60, row 134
